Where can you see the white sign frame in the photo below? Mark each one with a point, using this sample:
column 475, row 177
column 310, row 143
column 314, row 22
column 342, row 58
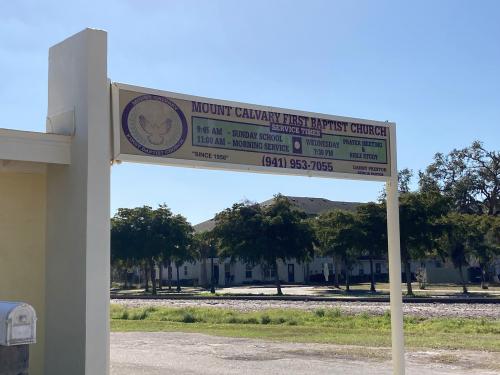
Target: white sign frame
column 116, row 87
column 393, row 232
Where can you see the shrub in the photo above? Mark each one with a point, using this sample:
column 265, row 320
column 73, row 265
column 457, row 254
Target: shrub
column 319, row 312
column 265, row 319
column 187, row 317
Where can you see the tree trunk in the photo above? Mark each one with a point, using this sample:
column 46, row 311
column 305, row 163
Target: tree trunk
column 160, row 276
column 203, row 273
column 347, row 272
column 125, row 274
column 278, row 283
column 464, row 286
column 169, row 275
column 152, row 270
column 372, row 276
column 178, row 278
column 337, row 272
column 146, row 289
column 409, row 289
column 484, row 279
column 212, row 279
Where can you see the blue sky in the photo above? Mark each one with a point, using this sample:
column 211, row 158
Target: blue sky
column 433, row 67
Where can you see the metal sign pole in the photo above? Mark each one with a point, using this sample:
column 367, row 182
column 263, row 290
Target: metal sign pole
column 398, row 350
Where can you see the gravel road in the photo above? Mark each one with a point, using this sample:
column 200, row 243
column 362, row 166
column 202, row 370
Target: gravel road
column 155, row 353
column 491, row 311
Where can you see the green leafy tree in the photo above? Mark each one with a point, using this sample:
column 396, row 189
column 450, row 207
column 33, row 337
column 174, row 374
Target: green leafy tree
column 205, row 247
column 419, row 213
column 138, row 238
column 147, row 237
column 484, row 247
column 470, row 177
column 182, row 241
column 264, row 235
column 121, row 257
column 373, row 234
column 338, row 234
column 454, row 241
column 162, row 227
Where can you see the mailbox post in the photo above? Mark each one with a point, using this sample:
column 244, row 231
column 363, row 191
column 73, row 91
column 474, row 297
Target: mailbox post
column 17, row 331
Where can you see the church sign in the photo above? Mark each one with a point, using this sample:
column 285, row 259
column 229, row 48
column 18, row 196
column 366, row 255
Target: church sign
column 168, row 128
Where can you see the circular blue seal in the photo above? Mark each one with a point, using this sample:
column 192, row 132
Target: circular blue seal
column 154, row 125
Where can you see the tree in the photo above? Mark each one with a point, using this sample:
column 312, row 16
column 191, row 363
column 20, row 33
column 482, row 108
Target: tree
column 404, row 181
column 264, row 235
column 121, row 257
column 148, row 236
column 162, row 227
column 484, row 247
column 454, row 241
column 470, row 177
column 138, row 238
column 373, row 233
column 418, row 215
column 204, row 245
column 338, row 234
column 181, row 237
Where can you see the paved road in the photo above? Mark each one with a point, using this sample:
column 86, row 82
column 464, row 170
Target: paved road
column 378, row 308
column 141, row 353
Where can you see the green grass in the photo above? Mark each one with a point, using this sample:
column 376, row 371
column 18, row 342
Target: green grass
column 320, row 326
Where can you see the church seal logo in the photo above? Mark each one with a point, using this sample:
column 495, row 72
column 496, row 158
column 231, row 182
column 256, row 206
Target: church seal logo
column 154, row 125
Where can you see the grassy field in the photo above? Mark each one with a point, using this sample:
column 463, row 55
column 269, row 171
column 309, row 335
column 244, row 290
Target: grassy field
column 320, row 326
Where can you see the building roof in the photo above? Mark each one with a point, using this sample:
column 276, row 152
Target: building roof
column 311, row 207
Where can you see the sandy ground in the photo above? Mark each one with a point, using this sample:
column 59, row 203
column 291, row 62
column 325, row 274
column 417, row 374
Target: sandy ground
column 491, row 311
column 155, row 353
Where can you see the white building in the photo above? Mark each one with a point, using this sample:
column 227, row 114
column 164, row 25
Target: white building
column 228, row 273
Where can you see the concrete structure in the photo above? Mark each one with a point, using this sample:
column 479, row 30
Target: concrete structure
column 54, row 216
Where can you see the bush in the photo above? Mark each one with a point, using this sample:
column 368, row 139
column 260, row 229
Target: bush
column 187, row 317
column 265, row 319
column 320, row 313
column 251, row 321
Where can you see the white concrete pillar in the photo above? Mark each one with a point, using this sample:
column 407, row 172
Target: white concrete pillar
column 78, row 208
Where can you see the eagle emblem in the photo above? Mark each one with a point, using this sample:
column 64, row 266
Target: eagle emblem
column 156, row 131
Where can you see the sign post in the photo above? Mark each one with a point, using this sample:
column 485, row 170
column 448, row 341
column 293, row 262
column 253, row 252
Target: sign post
column 153, row 126
column 397, row 332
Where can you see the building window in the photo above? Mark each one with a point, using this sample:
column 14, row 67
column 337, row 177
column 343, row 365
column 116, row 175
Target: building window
column 273, row 272
column 438, row 264
column 270, row 273
column 248, row 271
column 378, row 268
column 185, row 270
column 361, row 271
